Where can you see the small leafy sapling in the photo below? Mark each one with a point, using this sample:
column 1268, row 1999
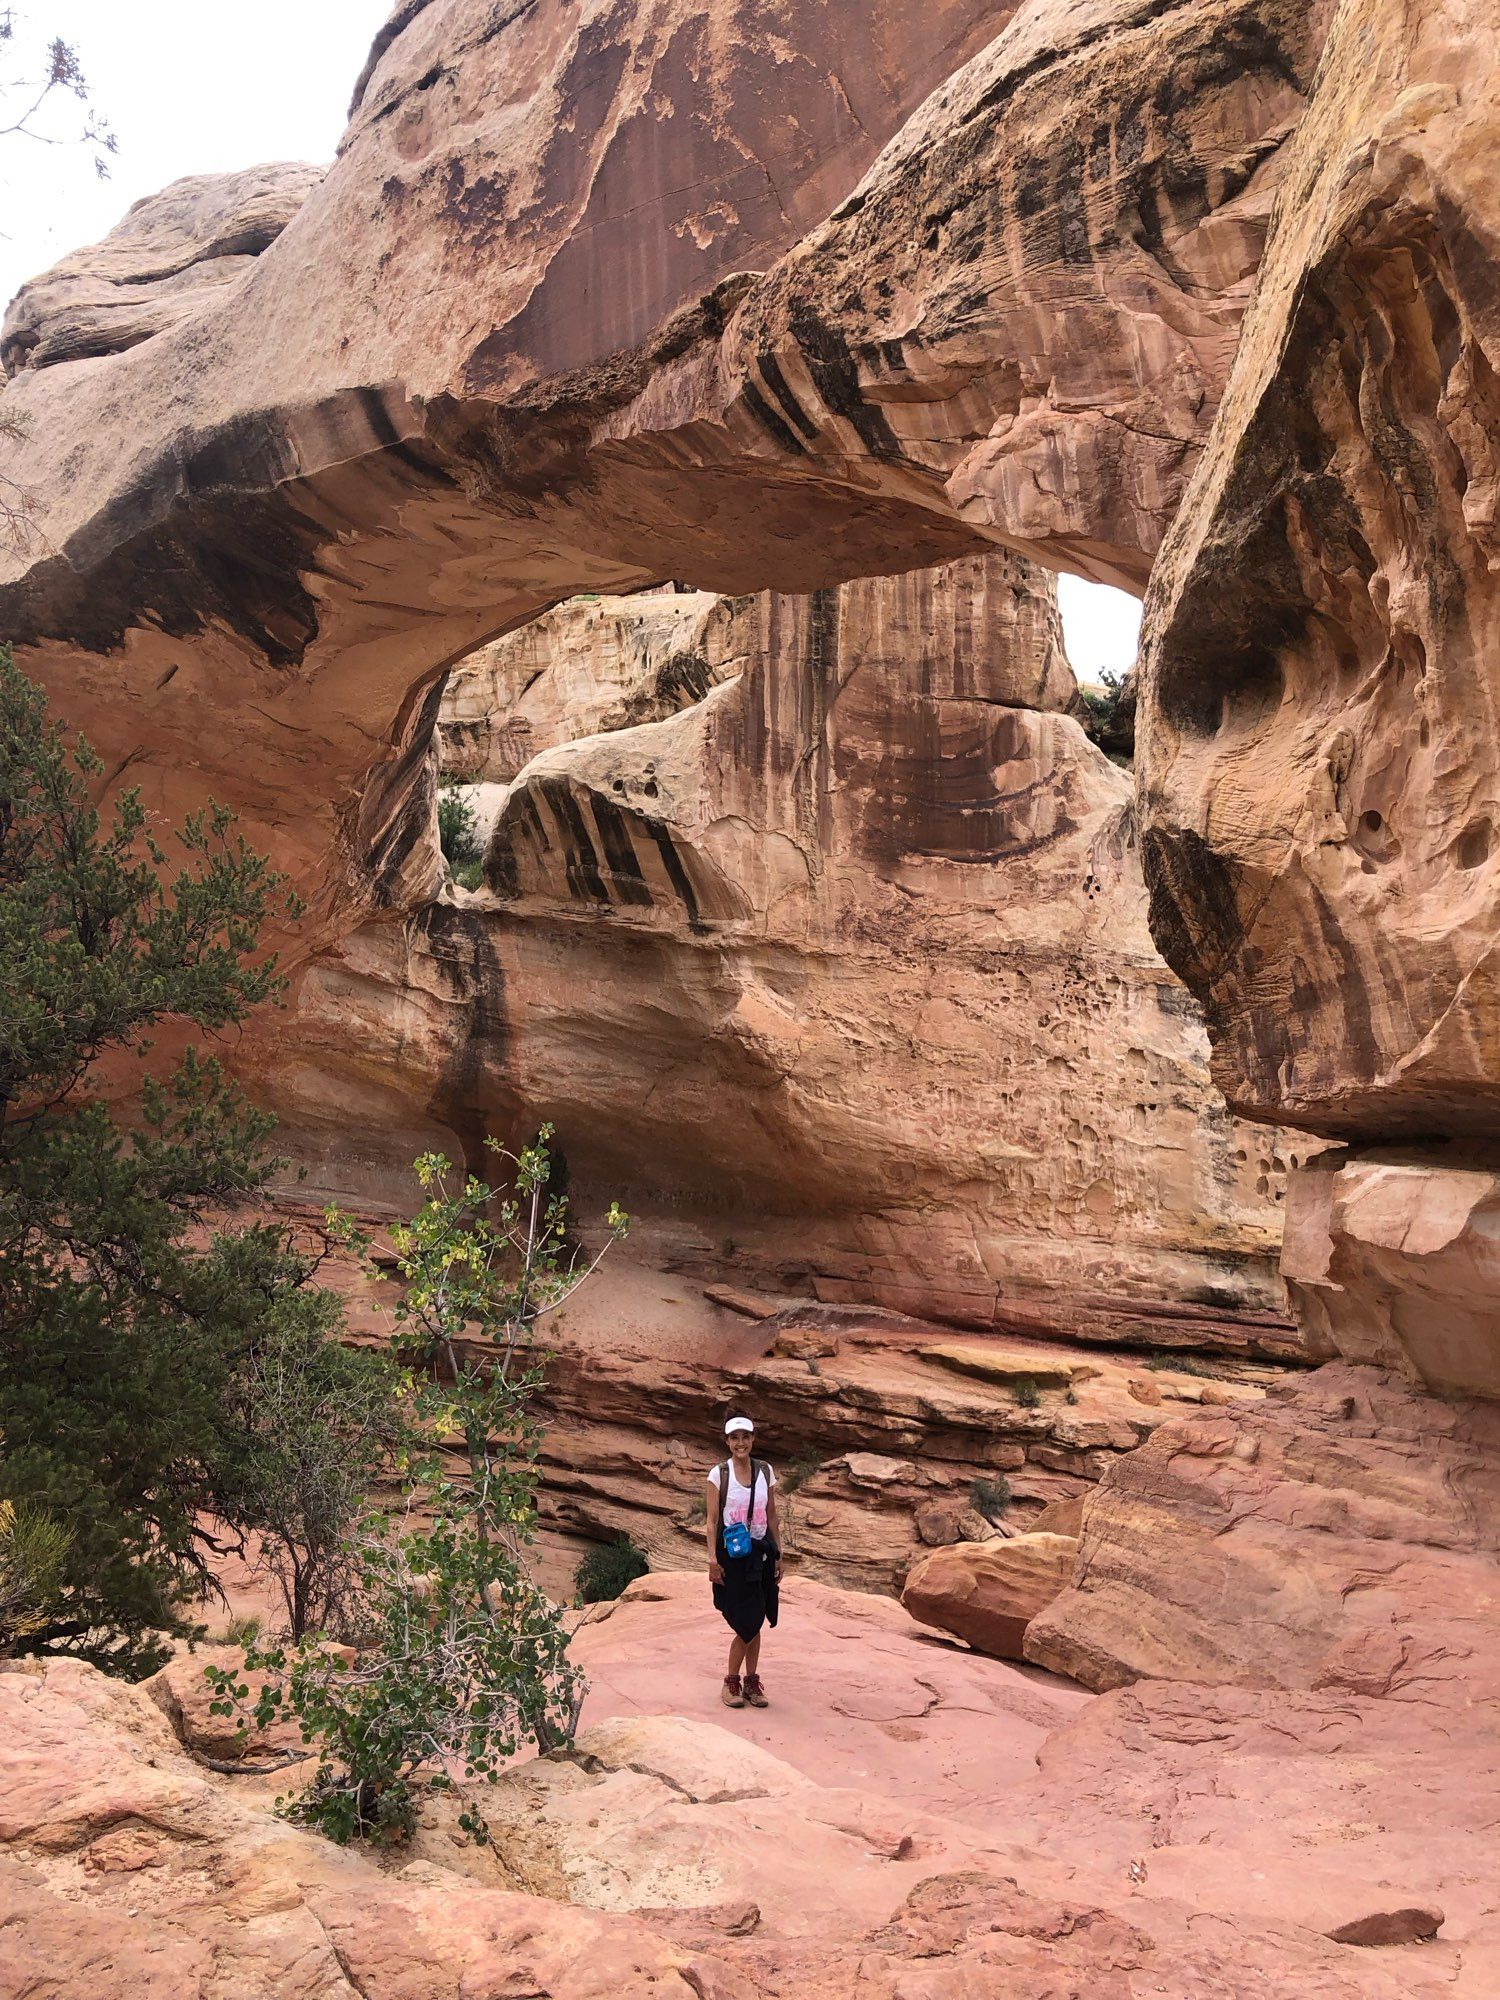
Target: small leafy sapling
column 463, row 1656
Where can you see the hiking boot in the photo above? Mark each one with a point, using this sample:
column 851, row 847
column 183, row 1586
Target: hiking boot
column 755, row 1694
column 730, row 1694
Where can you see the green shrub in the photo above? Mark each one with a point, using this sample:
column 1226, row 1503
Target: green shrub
column 33, row 1551
column 126, row 1315
column 991, row 1497
column 1162, row 1363
column 608, row 1568
column 799, row 1472
column 469, row 875
column 1109, row 718
column 458, row 824
column 463, row 1656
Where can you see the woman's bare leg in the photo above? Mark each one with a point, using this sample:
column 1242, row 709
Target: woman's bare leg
column 751, row 1655
column 738, row 1652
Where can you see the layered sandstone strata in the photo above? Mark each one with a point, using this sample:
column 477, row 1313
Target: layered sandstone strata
column 884, row 1449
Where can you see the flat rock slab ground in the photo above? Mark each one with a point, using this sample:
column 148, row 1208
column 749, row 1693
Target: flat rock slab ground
column 907, row 1822
column 860, row 1698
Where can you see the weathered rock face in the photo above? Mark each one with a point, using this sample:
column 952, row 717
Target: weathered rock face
column 416, row 420
column 594, row 664
column 1320, row 714
column 989, row 1592
column 838, row 977
column 1339, row 1534
column 162, row 266
column 1319, row 723
column 719, row 935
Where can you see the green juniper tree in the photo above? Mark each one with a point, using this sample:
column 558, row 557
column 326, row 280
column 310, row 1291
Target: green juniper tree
column 458, row 824
column 464, row 1656
column 128, row 1314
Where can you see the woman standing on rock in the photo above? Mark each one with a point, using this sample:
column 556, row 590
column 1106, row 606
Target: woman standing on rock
column 744, row 1556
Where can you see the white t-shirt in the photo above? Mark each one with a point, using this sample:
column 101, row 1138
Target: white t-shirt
column 736, row 1505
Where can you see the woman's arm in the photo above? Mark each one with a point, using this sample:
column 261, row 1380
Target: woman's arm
column 715, row 1502
column 773, row 1528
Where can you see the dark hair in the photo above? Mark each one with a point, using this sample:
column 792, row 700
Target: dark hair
column 735, row 1413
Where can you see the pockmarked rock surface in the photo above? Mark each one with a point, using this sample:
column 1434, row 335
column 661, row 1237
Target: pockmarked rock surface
column 1318, row 714
column 988, row 1592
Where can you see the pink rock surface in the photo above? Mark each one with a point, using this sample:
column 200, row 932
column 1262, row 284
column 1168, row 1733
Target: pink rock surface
column 806, row 1850
column 1339, row 1534
column 860, row 1698
column 988, row 1592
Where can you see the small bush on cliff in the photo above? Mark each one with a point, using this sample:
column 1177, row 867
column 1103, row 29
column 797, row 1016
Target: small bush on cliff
column 127, row 1318
column 991, row 1497
column 464, row 1657
column 608, row 1568
column 1109, row 720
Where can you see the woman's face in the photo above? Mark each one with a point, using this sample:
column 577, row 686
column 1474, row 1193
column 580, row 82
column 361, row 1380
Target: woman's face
column 740, row 1443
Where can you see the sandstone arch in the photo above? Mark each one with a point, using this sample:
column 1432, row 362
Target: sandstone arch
column 389, row 438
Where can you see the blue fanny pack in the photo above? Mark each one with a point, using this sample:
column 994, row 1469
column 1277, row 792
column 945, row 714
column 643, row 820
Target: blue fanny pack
column 737, row 1540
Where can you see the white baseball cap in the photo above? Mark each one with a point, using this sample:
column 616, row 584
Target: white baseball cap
column 738, row 1424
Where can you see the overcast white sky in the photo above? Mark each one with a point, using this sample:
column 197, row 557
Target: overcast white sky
column 201, row 86
column 189, row 86
column 1101, row 627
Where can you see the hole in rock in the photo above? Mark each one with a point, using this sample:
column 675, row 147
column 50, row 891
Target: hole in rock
column 1475, row 844
column 1101, row 630
column 1373, row 836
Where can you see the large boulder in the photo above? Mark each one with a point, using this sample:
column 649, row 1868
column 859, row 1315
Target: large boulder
column 1340, row 1533
column 988, row 1592
column 1394, row 1259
